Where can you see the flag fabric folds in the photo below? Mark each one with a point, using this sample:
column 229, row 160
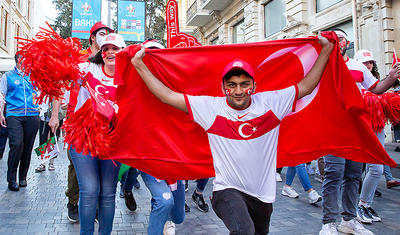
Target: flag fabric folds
column 162, row 141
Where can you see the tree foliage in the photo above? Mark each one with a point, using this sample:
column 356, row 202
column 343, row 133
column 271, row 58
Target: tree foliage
column 63, row 22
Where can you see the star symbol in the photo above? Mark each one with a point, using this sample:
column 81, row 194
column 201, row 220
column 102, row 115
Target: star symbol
column 102, row 104
column 254, row 128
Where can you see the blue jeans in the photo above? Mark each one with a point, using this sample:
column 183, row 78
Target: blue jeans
column 201, row 184
column 371, row 181
column 387, row 173
column 342, row 174
column 97, row 180
column 302, row 173
column 165, row 205
column 129, row 179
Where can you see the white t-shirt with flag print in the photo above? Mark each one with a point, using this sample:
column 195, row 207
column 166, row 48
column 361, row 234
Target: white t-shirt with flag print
column 361, row 75
column 244, row 142
column 97, row 70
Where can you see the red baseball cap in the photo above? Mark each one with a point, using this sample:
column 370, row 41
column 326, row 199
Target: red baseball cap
column 97, row 26
column 239, row 64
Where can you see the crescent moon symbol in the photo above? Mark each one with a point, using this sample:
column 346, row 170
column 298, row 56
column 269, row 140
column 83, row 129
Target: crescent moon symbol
column 97, row 92
column 240, row 130
column 307, row 56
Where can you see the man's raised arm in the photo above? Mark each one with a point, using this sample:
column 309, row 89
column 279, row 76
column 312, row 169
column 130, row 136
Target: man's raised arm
column 310, row 81
column 162, row 92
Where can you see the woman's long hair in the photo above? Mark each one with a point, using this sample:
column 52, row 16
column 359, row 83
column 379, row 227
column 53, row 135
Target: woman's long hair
column 374, row 70
column 97, row 59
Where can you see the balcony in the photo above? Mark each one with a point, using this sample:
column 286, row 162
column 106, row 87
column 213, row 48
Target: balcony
column 215, row 5
column 197, row 16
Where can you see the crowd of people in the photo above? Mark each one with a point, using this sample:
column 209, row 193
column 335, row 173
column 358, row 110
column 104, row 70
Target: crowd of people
column 244, row 202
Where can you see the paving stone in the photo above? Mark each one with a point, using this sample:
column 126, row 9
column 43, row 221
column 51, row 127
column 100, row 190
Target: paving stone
column 40, row 208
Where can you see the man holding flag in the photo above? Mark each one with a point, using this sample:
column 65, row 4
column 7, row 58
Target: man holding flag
column 244, row 187
column 345, row 172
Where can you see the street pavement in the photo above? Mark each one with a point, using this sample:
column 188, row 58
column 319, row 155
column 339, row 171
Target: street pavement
column 41, row 209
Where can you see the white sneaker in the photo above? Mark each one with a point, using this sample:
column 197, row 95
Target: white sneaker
column 314, row 197
column 289, row 191
column 329, row 229
column 169, row 228
column 278, row 177
column 353, row 227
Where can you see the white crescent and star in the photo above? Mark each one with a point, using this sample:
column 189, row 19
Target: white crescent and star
column 307, row 56
column 240, row 130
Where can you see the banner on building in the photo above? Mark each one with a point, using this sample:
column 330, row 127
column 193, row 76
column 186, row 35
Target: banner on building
column 85, row 13
column 131, row 20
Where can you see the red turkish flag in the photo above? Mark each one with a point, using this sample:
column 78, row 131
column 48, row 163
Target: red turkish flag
column 395, row 59
column 163, row 141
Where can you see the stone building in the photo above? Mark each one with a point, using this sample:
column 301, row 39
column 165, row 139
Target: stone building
column 16, row 21
column 370, row 24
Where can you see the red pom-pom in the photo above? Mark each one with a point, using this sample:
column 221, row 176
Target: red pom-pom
column 86, row 133
column 391, row 105
column 376, row 110
column 51, row 61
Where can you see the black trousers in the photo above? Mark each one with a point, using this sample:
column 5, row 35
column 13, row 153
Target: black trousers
column 3, row 140
column 21, row 134
column 241, row 213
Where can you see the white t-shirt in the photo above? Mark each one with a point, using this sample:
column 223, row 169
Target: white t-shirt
column 361, row 75
column 97, row 70
column 244, row 142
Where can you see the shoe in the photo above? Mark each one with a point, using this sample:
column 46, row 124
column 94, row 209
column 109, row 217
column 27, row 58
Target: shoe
column 169, row 228
column 40, row 168
column 199, row 200
column 310, row 170
column 136, row 184
column 73, row 213
column 375, row 217
column 278, row 177
column 187, row 208
column 13, row 186
column 51, row 167
column 328, row 229
column 23, row 183
column 96, row 219
column 186, row 185
column 378, row 193
column 121, row 191
column 289, row 191
column 392, row 183
column 353, row 227
column 314, row 197
column 397, row 149
column 130, row 201
column 363, row 215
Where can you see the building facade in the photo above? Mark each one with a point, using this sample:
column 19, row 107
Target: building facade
column 16, row 21
column 370, row 24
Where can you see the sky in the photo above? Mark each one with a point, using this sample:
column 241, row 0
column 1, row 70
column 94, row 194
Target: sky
column 44, row 10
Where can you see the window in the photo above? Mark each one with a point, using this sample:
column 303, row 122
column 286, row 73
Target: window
column 323, row 4
column 238, row 32
column 274, row 18
column 348, row 28
column 214, row 41
column 5, row 29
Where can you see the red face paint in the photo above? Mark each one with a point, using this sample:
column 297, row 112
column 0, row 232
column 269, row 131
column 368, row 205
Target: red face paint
column 103, row 54
column 248, row 91
column 228, row 92
column 342, row 43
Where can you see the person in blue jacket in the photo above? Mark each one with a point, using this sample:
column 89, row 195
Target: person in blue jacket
column 22, row 121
